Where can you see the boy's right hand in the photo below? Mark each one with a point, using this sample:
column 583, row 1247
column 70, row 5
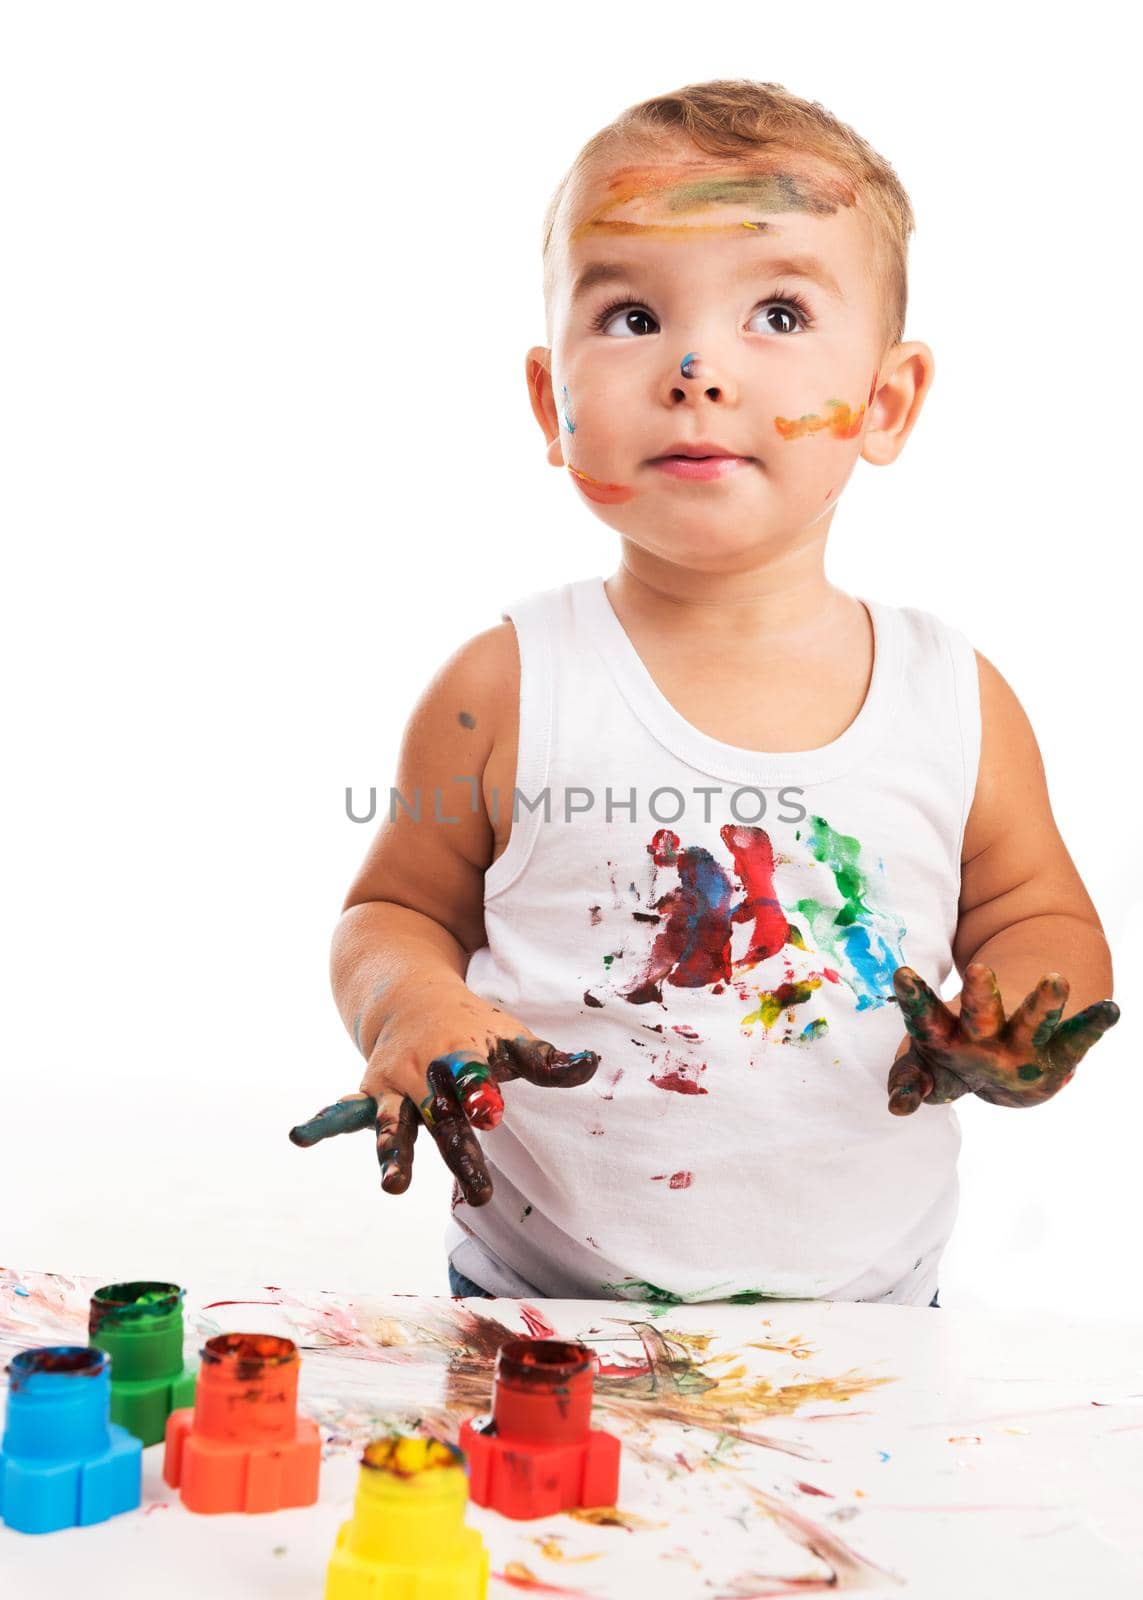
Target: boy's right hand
column 445, row 1070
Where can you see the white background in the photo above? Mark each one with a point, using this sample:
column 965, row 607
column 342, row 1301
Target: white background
column 267, row 280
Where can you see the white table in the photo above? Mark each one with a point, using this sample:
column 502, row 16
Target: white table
column 786, row 1447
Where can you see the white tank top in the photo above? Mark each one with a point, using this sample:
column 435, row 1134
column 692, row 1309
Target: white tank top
column 725, row 937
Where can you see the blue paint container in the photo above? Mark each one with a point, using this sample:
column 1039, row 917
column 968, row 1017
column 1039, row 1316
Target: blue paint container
column 63, row 1462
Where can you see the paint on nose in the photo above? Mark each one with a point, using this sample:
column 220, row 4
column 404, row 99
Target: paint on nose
column 687, row 365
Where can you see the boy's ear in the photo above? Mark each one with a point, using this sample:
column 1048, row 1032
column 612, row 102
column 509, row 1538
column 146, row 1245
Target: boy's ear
column 904, row 379
column 538, row 371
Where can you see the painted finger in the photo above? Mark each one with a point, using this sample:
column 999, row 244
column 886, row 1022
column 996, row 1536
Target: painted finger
column 946, row 1085
column 397, row 1122
column 460, row 1151
column 1036, row 1018
column 909, row 1083
column 925, row 1015
column 981, row 1004
column 1074, row 1038
column 346, row 1115
column 476, row 1088
column 541, row 1063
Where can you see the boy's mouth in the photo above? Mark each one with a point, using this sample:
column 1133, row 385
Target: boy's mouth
column 701, row 468
column 701, row 463
column 697, row 450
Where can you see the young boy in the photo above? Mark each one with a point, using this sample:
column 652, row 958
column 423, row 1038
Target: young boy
column 757, row 820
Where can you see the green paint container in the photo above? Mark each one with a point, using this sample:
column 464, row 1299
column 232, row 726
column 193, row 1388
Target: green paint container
column 140, row 1325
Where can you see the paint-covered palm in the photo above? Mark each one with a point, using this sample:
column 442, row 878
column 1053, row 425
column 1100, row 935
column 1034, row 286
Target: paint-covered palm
column 1021, row 1060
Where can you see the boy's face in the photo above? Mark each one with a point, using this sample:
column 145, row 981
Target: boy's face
column 761, row 276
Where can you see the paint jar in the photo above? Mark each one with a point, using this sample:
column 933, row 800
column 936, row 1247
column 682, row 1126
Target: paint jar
column 243, row 1446
column 537, row 1453
column 407, row 1536
column 63, row 1462
column 140, row 1325
column 541, row 1391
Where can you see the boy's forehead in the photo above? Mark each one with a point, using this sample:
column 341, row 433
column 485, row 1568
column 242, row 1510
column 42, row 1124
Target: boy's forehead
column 774, row 203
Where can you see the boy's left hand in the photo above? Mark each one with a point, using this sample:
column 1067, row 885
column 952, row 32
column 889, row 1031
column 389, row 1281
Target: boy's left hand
column 1020, row 1061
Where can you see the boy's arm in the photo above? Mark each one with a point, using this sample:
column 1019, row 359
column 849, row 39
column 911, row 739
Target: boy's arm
column 412, row 917
column 1024, row 909
column 1029, row 943
column 415, row 911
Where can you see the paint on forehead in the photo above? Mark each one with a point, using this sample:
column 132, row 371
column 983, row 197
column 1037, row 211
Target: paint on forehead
column 841, row 423
column 684, row 189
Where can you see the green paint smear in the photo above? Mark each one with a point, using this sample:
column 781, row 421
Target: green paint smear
column 840, row 852
column 640, row 1289
column 1047, row 1027
column 770, row 1007
column 1030, row 1074
column 776, row 191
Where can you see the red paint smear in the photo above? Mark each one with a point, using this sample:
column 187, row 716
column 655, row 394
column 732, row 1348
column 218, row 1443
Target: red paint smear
column 808, row 1488
column 535, row 1586
column 754, row 863
column 678, row 1180
column 624, row 1369
column 676, row 1082
column 536, row 1322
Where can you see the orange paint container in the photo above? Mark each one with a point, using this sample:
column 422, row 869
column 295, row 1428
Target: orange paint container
column 242, row 1446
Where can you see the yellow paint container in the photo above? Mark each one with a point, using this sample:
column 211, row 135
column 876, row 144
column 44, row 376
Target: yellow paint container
column 407, row 1539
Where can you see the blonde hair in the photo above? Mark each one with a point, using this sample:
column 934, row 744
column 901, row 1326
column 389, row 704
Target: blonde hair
column 737, row 117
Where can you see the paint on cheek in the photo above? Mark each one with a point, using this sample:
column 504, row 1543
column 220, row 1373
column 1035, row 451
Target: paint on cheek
column 569, row 420
column 603, row 494
column 872, row 390
column 841, row 423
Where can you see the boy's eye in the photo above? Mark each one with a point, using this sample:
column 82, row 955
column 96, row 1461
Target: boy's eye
column 786, row 314
column 634, row 314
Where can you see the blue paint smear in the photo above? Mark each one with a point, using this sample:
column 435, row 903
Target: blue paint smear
column 874, row 969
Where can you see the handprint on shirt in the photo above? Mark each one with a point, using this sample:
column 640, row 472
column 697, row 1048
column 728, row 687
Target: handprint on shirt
column 1019, row 1061
column 691, row 948
column 857, row 941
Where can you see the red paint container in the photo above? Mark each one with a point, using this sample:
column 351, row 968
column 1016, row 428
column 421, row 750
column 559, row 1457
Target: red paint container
column 243, row 1447
column 537, row 1453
